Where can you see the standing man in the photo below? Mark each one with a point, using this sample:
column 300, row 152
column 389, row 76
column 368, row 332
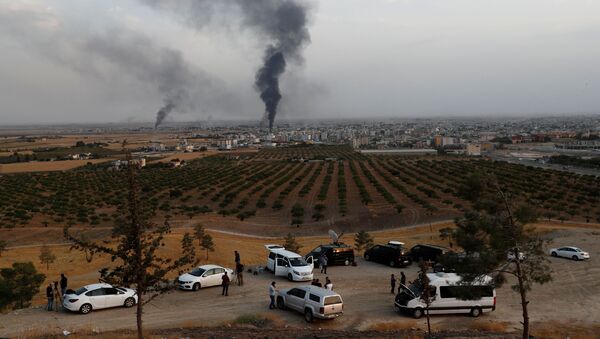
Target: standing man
column 323, row 263
column 272, row 293
column 237, row 257
column 239, row 269
column 50, row 296
column 393, row 283
column 63, row 284
column 225, row 284
column 402, row 278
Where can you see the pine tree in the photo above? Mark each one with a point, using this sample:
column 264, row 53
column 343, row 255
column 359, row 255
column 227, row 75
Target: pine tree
column 46, row 256
column 493, row 232
column 135, row 258
column 363, row 241
column 291, row 244
column 207, row 244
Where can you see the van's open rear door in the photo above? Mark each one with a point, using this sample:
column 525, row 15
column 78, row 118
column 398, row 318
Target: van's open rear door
column 274, row 246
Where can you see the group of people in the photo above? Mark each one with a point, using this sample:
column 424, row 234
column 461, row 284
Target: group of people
column 393, row 280
column 239, row 273
column 54, row 293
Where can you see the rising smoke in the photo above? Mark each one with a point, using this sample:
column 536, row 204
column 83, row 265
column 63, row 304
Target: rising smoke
column 104, row 53
column 283, row 24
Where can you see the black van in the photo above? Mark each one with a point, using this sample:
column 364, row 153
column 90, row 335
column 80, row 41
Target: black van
column 427, row 252
column 392, row 254
column 337, row 254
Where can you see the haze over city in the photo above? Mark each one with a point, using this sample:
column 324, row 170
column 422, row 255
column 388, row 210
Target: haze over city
column 79, row 61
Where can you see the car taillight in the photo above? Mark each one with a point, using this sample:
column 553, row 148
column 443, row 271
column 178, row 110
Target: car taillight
column 322, row 310
column 494, row 301
column 73, row 300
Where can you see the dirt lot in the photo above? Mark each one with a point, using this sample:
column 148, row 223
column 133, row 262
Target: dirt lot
column 570, row 302
column 45, row 166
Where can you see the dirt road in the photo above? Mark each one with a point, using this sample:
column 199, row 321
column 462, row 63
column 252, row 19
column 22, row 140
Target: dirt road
column 573, row 297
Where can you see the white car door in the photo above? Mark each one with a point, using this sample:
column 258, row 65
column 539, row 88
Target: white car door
column 282, row 267
column 113, row 297
column 208, row 278
column 96, row 298
column 564, row 252
column 311, row 262
column 219, row 276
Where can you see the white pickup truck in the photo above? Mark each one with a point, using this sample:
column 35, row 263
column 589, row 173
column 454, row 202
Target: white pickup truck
column 313, row 301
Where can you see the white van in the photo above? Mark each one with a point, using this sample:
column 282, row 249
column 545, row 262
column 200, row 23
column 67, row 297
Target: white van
column 446, row 289
column 289, row 264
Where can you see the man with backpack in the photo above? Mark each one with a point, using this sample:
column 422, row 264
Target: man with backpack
column 239, row 270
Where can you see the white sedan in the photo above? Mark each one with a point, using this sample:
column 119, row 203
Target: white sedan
column 97, row 296
column 203, row 276
column 569, row 252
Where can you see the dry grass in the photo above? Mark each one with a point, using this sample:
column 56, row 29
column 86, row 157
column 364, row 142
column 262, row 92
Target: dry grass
column 489, row 326
column 43, row 166
column 560, row 331
column 393, row 326
column 184, row 156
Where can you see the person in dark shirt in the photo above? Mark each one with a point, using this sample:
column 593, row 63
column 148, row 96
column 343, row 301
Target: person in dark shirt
column 50, row 296
column 239, row 270
column 225, row 284
column 393, row 283
column 63, row 284
column 237, row 257
column 402, row 278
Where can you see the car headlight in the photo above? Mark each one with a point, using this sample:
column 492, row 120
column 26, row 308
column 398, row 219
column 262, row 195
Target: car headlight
column 296, row 272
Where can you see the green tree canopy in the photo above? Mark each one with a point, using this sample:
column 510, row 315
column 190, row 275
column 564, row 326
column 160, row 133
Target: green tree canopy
column 18, row 285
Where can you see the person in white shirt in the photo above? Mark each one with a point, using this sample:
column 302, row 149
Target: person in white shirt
column 328, row 284
column 272, row 293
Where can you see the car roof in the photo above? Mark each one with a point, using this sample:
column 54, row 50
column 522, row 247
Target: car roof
column 282, row 251
column 209, row 266
column 320, row 291
column 443, row 279
column 433, row 246
column 97, row 285
column 336, row 245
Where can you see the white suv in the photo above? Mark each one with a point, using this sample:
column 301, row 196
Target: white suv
column 313, row 301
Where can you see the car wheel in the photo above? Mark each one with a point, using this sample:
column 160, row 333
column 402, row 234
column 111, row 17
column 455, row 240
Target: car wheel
column 554, row 254
column 280, row 303
column 575, row 258
column 85, row 308
column 392, row 263
column 417, row 313
column 347, row 262
column 290, row 277
column 196, row 287
column 367, row 257
column 308, row 315
column 129, row 302
column 475, row 312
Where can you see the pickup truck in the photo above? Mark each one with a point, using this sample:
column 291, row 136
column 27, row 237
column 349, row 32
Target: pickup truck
column 313, row 301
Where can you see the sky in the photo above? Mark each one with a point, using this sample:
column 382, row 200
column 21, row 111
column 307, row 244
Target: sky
column 114, row 61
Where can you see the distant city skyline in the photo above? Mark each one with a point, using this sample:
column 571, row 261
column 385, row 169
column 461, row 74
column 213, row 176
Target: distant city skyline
column 80, row 62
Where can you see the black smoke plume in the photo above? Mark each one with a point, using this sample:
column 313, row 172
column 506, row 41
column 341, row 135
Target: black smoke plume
column 267, row 83
column 283, row 24
column 162, row 113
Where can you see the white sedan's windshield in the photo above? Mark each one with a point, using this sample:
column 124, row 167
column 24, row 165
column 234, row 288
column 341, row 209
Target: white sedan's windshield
column 298, row 262
column 197, row 272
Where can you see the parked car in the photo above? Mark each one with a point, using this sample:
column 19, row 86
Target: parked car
column 203, row 276
column 427, row 252
column 447, row 291
column 569, row 252
column 312, row 301
column 97, row 296
column 392, row 254
column 289, row 264
column 337, row 254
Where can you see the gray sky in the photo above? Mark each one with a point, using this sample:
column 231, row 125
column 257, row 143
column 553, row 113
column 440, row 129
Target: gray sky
column 104, row 60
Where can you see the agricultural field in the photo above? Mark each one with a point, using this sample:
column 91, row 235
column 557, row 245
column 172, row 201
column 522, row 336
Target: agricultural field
column 272, row 192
